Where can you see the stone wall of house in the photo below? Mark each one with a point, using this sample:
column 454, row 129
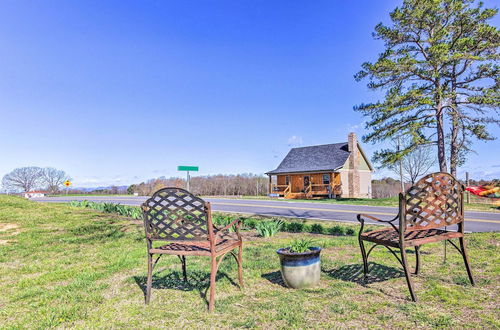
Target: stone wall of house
column 355, row 175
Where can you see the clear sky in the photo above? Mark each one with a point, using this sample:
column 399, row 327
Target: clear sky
column 115, row 92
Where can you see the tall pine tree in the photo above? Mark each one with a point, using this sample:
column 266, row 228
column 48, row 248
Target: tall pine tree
column 440, row 73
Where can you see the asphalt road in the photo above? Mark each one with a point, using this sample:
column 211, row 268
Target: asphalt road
column 475, row 221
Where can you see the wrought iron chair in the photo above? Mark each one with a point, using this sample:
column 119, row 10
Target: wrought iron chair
column 185, row 221
column 435, row 201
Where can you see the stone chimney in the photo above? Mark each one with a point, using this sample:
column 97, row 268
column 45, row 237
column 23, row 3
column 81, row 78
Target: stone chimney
column 353, row 175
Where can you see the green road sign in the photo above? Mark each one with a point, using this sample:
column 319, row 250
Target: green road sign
column 187, row 168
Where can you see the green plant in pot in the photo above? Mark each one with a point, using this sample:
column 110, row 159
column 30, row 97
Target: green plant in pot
column 300, row 264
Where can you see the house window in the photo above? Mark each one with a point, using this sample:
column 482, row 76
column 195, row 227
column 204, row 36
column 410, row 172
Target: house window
column 326, row 178
column 287, row 180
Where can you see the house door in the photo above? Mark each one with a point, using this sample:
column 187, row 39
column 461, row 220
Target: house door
column 306, row 181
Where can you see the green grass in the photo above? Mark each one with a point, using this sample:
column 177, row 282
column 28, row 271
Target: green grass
column 63, row 266
column 391, row 201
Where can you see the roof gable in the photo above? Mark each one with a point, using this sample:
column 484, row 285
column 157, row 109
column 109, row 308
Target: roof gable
column 326, row 157
column 364, row 163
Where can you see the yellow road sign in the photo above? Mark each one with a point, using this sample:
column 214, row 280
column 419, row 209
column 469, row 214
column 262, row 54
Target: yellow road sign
column 67, row 183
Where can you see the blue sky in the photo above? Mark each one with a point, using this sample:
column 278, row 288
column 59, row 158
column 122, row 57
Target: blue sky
column 115, row 92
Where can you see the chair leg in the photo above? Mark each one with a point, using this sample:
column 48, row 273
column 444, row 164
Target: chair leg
column 213, row 273
column 417, row 263
column 365, row 258
column 240, row 265
column 466, row 260
column 149, row 281
column 184, row 273
column 404, row 262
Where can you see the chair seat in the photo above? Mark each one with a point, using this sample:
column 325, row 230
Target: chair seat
column 196, row 247
column 390, row 237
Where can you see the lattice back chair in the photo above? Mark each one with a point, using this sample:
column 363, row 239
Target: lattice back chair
column 183, row 220
column 425, row 210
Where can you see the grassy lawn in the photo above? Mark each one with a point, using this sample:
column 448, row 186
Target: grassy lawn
column 62, row 266
column 391, row 201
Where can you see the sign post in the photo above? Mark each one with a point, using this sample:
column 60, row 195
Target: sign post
column 67, row 183
column 187, row 169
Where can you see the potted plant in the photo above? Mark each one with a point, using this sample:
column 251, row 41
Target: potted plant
column 300, row 264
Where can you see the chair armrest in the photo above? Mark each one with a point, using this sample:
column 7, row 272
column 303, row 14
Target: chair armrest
column 236, row 222
column 361, row 216
column 362, row 221
column 232, row 224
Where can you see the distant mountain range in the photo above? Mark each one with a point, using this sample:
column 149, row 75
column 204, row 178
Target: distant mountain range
column 87, row 189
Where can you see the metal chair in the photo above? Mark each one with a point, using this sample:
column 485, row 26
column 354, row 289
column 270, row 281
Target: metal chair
column 435, row 201
column 185, row 221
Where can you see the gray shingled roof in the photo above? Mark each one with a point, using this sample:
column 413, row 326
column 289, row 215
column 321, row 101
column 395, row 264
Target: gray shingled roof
column 327, row 157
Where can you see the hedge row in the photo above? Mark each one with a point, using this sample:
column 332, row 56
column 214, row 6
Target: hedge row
column 264, row 227
column 292, row 226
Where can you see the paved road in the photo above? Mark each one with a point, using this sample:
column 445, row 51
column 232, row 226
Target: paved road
column 475, row 221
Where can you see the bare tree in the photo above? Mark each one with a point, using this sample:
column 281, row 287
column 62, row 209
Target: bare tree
column 386, row 187
column 25, row 178
column 54, row 178
column 240, row 184
column 415, row 164
column 418, row 163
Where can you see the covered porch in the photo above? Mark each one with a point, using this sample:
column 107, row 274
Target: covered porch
column 305, row 185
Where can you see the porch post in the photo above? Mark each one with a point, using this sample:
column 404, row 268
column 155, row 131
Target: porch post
column 269, row 175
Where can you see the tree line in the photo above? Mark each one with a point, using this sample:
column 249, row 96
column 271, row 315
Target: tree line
column 32, row 177
column 214, row 185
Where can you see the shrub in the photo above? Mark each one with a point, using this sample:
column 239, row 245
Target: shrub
column 350, row 231
column 268, row 228
column 110, row 208
column 125, row 210
column 85, row 203
column 249, row 223
column 317, row 228
column 222, row 221
column 135, row 212
column 337, row 230
column 295, row 227
column 74, row 203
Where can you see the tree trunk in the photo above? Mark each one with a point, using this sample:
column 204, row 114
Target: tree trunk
column 454, row 147
column 440, row 139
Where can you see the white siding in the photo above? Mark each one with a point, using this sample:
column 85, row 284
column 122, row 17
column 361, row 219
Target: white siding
column 365, row 184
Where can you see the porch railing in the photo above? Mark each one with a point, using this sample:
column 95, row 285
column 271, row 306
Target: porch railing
column 281, row 189
column 332, row 188
column 288, row 190
column 310, row 190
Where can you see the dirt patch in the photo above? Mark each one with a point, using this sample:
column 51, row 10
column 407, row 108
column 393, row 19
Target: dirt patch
column 9, row 226
column 3, row 242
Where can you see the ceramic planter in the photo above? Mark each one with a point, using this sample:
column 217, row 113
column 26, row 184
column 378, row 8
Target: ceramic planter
column 300, row 270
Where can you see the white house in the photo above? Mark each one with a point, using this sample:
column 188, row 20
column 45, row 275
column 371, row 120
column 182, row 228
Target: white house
column 35, row 194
